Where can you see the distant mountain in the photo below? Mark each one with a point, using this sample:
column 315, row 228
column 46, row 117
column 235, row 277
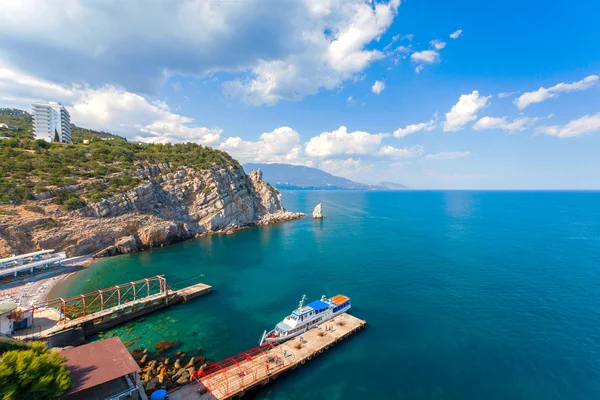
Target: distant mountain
column 294, row 177
column 392, row 186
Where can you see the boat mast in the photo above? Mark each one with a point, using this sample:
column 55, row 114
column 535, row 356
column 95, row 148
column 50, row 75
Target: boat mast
column 302, row 302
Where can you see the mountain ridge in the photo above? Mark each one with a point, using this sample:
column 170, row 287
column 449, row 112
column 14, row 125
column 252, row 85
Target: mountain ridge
column 299, row 177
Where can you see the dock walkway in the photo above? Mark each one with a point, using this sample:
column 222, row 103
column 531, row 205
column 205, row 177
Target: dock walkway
column 235, row 377
column 50, row 320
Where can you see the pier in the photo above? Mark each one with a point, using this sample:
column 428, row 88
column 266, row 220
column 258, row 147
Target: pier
column 96, row 311
column 30, row 261
column 257, row 367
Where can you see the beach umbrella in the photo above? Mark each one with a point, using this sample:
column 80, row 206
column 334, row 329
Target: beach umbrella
column 158, row 395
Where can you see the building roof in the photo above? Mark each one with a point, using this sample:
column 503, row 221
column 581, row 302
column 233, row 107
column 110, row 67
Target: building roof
column 18, row 257
column 7, row 307
column 96, row 363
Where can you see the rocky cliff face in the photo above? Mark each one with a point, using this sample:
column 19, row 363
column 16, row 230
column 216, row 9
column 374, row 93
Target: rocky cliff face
column 170, row 207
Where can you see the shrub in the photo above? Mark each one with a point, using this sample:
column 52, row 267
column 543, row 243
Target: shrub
column 51, row 223
column 35, row 209
column 74, row 203
column 11, row 192
column 34, row 373
column 62, row 196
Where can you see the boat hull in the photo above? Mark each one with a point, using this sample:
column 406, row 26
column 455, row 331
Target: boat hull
column 271, row 337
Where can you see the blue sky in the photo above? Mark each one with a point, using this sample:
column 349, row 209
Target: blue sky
column 373, row 91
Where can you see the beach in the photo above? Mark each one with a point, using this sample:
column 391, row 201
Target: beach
column 38, row 288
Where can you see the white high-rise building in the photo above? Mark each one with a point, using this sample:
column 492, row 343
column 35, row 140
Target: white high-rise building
column 51, row 122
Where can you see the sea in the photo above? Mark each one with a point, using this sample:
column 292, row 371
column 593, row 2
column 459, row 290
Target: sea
column 467, row 294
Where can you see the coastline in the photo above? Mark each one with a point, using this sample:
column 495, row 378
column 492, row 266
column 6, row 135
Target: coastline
column 37, row 289
column 59, row 279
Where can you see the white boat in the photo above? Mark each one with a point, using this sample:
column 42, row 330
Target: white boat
column 306, row 317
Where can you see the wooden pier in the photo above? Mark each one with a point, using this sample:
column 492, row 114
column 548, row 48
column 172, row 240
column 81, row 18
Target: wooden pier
column 236, row 375
column 94, row 312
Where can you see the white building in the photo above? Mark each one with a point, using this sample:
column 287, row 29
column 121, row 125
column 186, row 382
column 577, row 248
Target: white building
column 13, row 317
column 51, row 122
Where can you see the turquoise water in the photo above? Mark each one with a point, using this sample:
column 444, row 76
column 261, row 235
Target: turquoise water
column 468, row 295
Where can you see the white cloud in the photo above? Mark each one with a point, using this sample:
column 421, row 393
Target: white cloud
column 378, row 87
column 408, row 37
column 324, row 62
column 394, row 152
column 348, row 168
column 582, row 126
column 456, row 34
column 273, row 50
column 109, row 108
column 425, row 57
column 517, row 125
column 507, row 94
column 546, row 93
column 408, row 129
column 464, row 111
column 438, row 44
column 341, row 142
column 350, row 100
column 280, row 145
column 447, row 155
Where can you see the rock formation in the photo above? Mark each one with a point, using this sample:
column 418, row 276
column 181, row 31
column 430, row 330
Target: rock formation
column 318, row 212
column 169, row 206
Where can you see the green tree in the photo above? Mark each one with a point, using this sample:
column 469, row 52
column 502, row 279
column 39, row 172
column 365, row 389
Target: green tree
column 56, row 137
column 33, row 374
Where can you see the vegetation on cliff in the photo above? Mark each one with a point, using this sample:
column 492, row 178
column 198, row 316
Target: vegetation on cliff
column 31, row 372
column 31, row 166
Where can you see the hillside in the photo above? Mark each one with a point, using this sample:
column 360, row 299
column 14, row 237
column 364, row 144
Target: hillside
column 19, row 119
column 24, row 121
column 392, row 186
column 297, row 177
column 111, row 196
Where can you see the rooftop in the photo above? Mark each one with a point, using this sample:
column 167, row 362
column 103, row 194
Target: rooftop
column 7, row 307
column 97, row 363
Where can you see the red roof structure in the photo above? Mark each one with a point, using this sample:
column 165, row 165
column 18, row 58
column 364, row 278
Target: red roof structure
column 97, row 363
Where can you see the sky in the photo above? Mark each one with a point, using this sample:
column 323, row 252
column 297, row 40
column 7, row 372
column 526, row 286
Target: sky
column 431, row 94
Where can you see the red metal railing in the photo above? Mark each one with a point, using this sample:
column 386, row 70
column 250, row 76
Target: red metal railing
column 93, row 302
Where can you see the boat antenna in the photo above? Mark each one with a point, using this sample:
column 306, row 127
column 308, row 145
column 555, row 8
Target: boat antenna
column 302, row 301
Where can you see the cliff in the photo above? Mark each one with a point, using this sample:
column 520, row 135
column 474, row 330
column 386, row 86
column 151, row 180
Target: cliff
column 169, row 205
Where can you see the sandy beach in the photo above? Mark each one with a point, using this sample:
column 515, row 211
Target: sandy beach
column 36, row 289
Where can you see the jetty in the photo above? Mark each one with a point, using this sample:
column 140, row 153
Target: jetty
column 30, row 261
column 93, row 312
column 234, row 376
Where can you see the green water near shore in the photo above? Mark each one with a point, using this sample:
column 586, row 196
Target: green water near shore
column 468, row 295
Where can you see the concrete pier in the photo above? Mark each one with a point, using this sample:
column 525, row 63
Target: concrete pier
column 233, row 377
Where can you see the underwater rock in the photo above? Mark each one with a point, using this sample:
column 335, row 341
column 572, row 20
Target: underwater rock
column 167, row 345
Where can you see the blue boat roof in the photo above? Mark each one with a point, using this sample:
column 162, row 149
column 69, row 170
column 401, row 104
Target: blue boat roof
column 318, row 305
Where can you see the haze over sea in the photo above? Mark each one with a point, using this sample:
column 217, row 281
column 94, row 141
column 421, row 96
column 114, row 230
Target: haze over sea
column 468, row 295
